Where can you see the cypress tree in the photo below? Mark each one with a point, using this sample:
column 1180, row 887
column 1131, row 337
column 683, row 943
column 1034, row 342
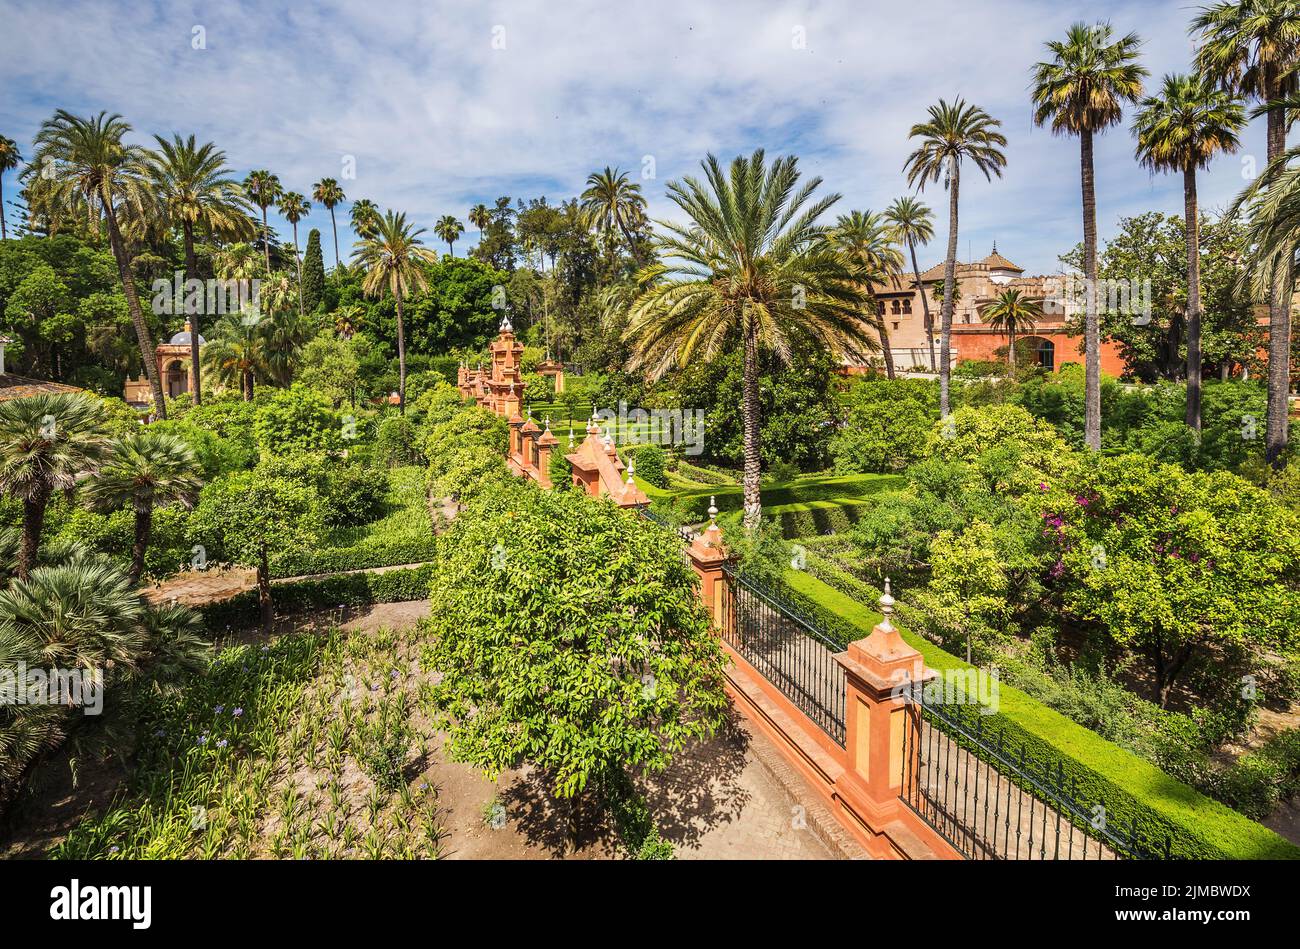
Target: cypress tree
column 313, row 273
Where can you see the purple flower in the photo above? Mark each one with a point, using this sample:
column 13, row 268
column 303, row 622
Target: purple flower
column 222, row 743
column 219, row 709
column 203, row 739
column 1042, row 486
column 238, row 713
column 114, row 849
column 1080, row 500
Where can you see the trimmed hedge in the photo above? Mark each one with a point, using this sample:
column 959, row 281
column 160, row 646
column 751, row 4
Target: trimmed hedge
column 1136, row 793
column 346, row 589
column 339, row 559
column 822, row 491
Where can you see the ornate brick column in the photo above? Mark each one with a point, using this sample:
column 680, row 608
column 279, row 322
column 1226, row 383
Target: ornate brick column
column 545, row 443
column 880, row 722
column 708, row 558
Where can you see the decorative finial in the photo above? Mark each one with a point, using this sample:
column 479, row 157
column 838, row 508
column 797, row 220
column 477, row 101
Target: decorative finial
column 548, row 423
column 995, row 245
column 608, row 442
column 713, row 511
column 570, row 438
column 505, row 324
column 631, row 467
column 886, row 602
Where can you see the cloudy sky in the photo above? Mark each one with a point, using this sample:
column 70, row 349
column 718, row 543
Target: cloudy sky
column 431, row 107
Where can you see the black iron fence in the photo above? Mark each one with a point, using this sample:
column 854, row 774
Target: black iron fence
column 992, row 800
column 788, row 650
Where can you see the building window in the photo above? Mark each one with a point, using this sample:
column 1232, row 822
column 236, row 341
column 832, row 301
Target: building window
column 1046, row 354
column 894, row 307
column 907, row 305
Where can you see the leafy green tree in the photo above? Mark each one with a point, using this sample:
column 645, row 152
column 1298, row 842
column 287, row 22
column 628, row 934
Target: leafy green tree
column 293, row 208
column 913, row 224
column 752, row 267
column 329, row 195
column 365, row 218
column 329, row 365
column 84, row 163
column 392, row 260
column 237, row 353
column 1253, row 48
column 480, row 217
column 1182, row 129
column 454, row 308
column 144, row 471
column 953, row 133
column 569, row 636
column 191, row 188
column 297, row 419
column 966, row 598
column 1081, row 91
column 251, row 518
column 1174, row 566
column 613, row 203
column 885, row 426
column 47, row 442
column 313, row 273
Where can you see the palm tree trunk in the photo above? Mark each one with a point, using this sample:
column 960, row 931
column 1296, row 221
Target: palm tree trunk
column 248, row 385
column 266, row 241
column 949, row 284
column 1091, row 329
column 334, row 225
column 883, row 333
column 4, row 234
column 1279, row 315
column 925, row 303
column 143, row 527
column 297, row 258
column 401, row 358
column 749, row 416
column 33, row 524
column 1193, row 238
column 1011, row 348
column 192, row 273
column 133, row 306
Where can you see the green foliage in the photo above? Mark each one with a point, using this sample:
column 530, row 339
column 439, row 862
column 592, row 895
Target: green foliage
column 396, row 441
column 569, row 635
column 885, row 424
column 313, row 273
column 297, row 419
column 249, row 517
column 385, row 744
column 648, row 463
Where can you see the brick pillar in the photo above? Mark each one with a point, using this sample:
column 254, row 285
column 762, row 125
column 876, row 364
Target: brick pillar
column 545, row 443
column 708, row 558
column 877, row 715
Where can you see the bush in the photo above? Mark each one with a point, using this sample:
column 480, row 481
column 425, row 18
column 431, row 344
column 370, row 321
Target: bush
column 297, row 419
column 354, row 494
column 396, row 442
column 648, row 463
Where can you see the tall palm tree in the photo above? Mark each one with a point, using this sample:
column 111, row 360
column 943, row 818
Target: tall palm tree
column 293, row 208
column 392, row 260
column 913, row 224
column 191, row 187
column 611, row 202
column 449, row 229
column 237, row 353
column 47, row 442
column 1182, row 129
column 330, row 195
column 1253, row 48
column 347, row 318
column 85, row 166
column 1081, row 91
column 480, row 217
column 145, row 470
column 9, row 159
column 1012, row 312
column 751, row 263
column 365, row 218
column 263, row 189
column 867, row 241
column 954, row 131
column 237, row 261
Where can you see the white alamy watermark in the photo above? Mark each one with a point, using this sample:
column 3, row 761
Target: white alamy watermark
column 74, row 901
column 77, row 688
column 1069, row 295
column 211, row 297
column 669, row 427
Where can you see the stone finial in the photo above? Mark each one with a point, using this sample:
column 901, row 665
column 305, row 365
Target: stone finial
column 548, row 423
column 505, row 324
column 713, row 510
column 570, row 438
column 886, row 602
column 631, row 467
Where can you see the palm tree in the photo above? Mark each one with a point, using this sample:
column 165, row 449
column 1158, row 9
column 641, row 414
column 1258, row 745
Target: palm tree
column 347, row 318
column 330, row 195
column 237, row 352
column 84, row 163
column 449, row 229
column 145, row 470
column 867, row 241
column 191, row 187
column 751, row 263
column 392, row 260
column 1081, row 91
column 1182, row 129
column 263, row 188
column 913, row 224
column 480, row 217
column 954, row 132
column 237, row 262
column 1012, row 312
column 293, row 208
column 47, row 442
column 611, row 201
column 9, row 159
column 365, row 218
column 1252, row 47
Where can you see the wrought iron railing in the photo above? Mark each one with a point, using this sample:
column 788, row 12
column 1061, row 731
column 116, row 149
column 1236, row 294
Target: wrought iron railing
column 685, row 533
column 993, row 800
column 788, row 650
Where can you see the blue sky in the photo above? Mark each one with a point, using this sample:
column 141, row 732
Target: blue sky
column 442, row 105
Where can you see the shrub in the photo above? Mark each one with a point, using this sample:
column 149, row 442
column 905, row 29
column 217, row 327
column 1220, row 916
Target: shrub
column 648, row 463
column 396, row 442
column 354, row 494
column 297, row 419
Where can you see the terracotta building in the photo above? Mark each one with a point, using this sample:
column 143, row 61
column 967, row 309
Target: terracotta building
column 173, row 361
column 978, row 284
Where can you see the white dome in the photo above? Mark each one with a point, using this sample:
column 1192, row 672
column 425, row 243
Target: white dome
column 183, row 339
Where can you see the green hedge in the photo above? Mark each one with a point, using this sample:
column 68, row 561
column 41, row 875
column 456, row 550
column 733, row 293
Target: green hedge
column 391, row 553
column 1159, row 808
column 812, row 493
column 349, row 589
